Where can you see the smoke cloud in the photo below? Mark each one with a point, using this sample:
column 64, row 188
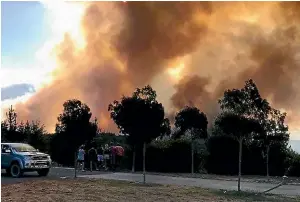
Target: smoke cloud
column 132, row 44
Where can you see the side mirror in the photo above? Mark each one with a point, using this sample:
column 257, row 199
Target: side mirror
column 37, row 150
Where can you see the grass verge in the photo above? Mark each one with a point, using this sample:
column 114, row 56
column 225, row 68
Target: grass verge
column 76, row 190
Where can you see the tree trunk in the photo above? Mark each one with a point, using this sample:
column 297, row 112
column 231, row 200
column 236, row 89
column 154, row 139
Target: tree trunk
column 268, row 150
column 240, row 162
column 133, row 160
column 144, row 163
column 192, row 156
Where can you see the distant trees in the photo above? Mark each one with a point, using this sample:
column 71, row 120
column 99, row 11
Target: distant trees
column 73, row 129
column 9, row 128
column 32, row 132
column 248, row 132
column 140, row 117
column 191, row 120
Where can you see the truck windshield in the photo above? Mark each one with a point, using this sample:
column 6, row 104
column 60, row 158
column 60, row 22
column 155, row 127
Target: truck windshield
column 23, row 148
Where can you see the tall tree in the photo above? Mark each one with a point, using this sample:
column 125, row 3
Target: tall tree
column 242, row 107
column 192, row 120
column 140, row 117
column 10, row 127
column 72, row 130
column 240, row 128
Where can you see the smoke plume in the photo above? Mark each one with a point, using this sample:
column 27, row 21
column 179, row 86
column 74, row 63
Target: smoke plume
column 221, row 44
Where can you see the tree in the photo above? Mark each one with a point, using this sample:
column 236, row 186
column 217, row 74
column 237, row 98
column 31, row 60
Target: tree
column 244, row 112
column 165, row 127
column 240, row 128
column 192, row 120
column 72, row 130
column 35, row 133
column 140, row 117
column 275, row 132
column 10, row 128
column 246, row 101
column 4, row 131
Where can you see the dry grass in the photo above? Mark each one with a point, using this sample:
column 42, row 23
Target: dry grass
column 107, row 190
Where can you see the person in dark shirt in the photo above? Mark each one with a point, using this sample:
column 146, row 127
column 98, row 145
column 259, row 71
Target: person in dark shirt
column 93, row 158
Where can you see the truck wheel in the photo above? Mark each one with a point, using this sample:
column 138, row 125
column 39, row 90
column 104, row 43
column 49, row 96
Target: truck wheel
column 15, row 170
column 43, row 172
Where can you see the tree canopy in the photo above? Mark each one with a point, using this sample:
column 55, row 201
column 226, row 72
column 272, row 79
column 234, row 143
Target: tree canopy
column 246, row 101
column 73, row 129
column 236, row 125
column 191, row 118
column 140, row 116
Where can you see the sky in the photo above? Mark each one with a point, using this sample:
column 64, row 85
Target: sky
column 24, row 28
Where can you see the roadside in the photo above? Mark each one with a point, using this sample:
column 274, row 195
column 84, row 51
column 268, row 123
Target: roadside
column 111, row 191
column 245, row 178
column 289, row 190
column 55, row 173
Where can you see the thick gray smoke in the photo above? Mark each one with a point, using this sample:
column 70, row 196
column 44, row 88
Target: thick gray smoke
column 132, row 44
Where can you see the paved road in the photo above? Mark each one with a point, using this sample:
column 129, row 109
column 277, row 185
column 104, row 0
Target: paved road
column 290, row 190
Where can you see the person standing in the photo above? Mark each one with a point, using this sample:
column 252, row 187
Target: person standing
column 93, row 158
column 106, row 156
column 99, row 160
column 80, row 157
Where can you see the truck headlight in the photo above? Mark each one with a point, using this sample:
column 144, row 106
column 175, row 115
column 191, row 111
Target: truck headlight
column 27, row 158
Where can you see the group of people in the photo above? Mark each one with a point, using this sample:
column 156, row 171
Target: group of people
column 107, row 157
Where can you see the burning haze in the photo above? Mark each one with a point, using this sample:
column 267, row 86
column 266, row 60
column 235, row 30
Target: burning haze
column 190, row 52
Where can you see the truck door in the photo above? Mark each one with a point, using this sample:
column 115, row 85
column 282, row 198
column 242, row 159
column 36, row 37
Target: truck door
column 6, row 156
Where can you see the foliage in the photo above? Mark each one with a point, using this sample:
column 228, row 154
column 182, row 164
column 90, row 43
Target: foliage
column 108, row 138
column 167, row 156
column 32, row 133
column 244, row 112
column 246, row 101
column 236, row 125
column 9, row 128
column 73, row 129
column 293, row 161
column 190, row 118
column 275, row 130
column 140, row 117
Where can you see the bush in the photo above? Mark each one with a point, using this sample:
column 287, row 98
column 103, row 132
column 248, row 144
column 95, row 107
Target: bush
column 220, row 156
column 166, row 156
column 294, row 164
